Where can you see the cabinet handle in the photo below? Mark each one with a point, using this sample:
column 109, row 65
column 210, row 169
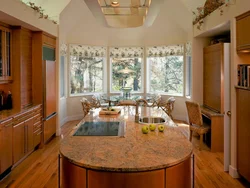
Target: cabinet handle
column 229, row 113
column 24, row 140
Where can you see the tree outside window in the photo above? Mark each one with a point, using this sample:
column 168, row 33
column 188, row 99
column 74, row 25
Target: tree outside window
column 86, row 69
column 86, row 74
column 126, row 72
column 166, row 69
column 126, row 68
column 166, row 74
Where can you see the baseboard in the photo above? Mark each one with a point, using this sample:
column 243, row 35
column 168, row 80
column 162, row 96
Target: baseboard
column 63, row 121
column 71, row 118
column 233, row 172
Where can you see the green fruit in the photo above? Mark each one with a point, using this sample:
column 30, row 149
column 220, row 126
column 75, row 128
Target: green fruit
column 152, row 127
column 145, row 129
column 161, row 128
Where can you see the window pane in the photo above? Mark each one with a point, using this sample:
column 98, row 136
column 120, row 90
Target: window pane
column 166, row 74
column 126, row 72
column 62, row 80
column 188, row 75
column 86, row 74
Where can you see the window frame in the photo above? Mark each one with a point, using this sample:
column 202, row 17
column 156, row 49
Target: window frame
column 111, row 78
column 104, row 74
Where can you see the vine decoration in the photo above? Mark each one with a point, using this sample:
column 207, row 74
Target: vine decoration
column 208, row 8
column 40, row 10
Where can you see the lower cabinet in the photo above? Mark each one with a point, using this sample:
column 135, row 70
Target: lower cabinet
column 19, row 135
column 243, row 132
column 5, row 145
column 23, row 139
column 49, row 128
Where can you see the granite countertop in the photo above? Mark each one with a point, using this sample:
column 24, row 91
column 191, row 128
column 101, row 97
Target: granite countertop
column 6, row 114
column 133, row 152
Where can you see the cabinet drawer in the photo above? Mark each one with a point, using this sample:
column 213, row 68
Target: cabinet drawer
column 37, row 110
column 7, row 122
column 37, row 137
column 38, row 118
column 23, row 116
column 37, row 126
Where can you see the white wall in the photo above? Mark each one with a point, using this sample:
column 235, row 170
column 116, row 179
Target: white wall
column 211, row 23
column 30, row 18
column 79, row 26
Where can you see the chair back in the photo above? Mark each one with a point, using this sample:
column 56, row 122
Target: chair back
column 96, row 101
column 86, row 106
column 194, row 113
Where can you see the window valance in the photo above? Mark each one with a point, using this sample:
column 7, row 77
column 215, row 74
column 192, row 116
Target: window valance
column 161, row 51
column 188, row 49
column 124, row 52
column 87, row 51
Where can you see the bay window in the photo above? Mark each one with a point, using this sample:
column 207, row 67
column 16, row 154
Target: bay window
column 165, row 69
column 86, row 69
column 126, row 68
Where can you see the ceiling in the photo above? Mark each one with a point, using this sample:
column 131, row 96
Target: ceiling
column 124, row 13
column 130, row 13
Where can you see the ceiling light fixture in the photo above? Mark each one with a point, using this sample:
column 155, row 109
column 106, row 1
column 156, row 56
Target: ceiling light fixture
column 114, row 3
column 125, row 13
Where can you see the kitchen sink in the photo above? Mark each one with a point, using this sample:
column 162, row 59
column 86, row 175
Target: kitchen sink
column 154, row 120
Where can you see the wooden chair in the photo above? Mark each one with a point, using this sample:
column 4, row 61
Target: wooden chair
column 195, row 121
column 86, row 106
column 98, row 101
column 168, row 106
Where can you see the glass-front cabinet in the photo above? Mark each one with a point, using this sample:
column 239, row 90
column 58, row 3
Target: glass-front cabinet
column 5, row 54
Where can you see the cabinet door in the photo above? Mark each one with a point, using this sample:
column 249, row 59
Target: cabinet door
column 5, row 53
column 49, row 128
column 212, row 83
column 6, row 145
column 243, row 30
column 18, row 142
column 243, row 133
column 29, row 134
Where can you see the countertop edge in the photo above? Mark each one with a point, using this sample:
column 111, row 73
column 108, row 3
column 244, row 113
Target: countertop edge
column 107, row 169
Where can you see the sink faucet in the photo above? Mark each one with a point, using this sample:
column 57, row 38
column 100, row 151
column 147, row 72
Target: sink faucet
column 138, row 102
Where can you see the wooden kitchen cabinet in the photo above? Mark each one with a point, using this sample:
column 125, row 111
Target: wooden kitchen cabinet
column 37, row 128
column 5, row 54
column 18, row 142
column 243, row 132
column 242, row 32
column 23, row 142
column 5, row 145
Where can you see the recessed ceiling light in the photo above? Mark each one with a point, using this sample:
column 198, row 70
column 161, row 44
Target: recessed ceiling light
column 115, row 4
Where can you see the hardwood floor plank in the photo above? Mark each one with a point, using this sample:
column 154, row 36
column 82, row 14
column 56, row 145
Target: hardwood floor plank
column 40, row 169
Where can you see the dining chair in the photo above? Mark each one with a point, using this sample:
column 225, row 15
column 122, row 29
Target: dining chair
column 168, row 106
column 195, row 121
column 154, row 100
column 86, row 106
column 99, row 101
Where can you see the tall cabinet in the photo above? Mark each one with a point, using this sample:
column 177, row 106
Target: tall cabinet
column 243, row 95
column 216, row 96
column 243, row 131
column 44, row 82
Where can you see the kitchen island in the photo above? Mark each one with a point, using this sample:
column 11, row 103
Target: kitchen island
column 133, row 159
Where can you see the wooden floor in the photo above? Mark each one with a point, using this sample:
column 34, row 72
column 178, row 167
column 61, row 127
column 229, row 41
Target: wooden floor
column 40, row 169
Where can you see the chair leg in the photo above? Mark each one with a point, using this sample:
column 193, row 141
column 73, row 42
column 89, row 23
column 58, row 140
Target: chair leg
column 201, row 141
column 190, row 135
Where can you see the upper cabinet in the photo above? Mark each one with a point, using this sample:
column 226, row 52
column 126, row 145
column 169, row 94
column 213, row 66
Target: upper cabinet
column 242, row 32
column 5, row 54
